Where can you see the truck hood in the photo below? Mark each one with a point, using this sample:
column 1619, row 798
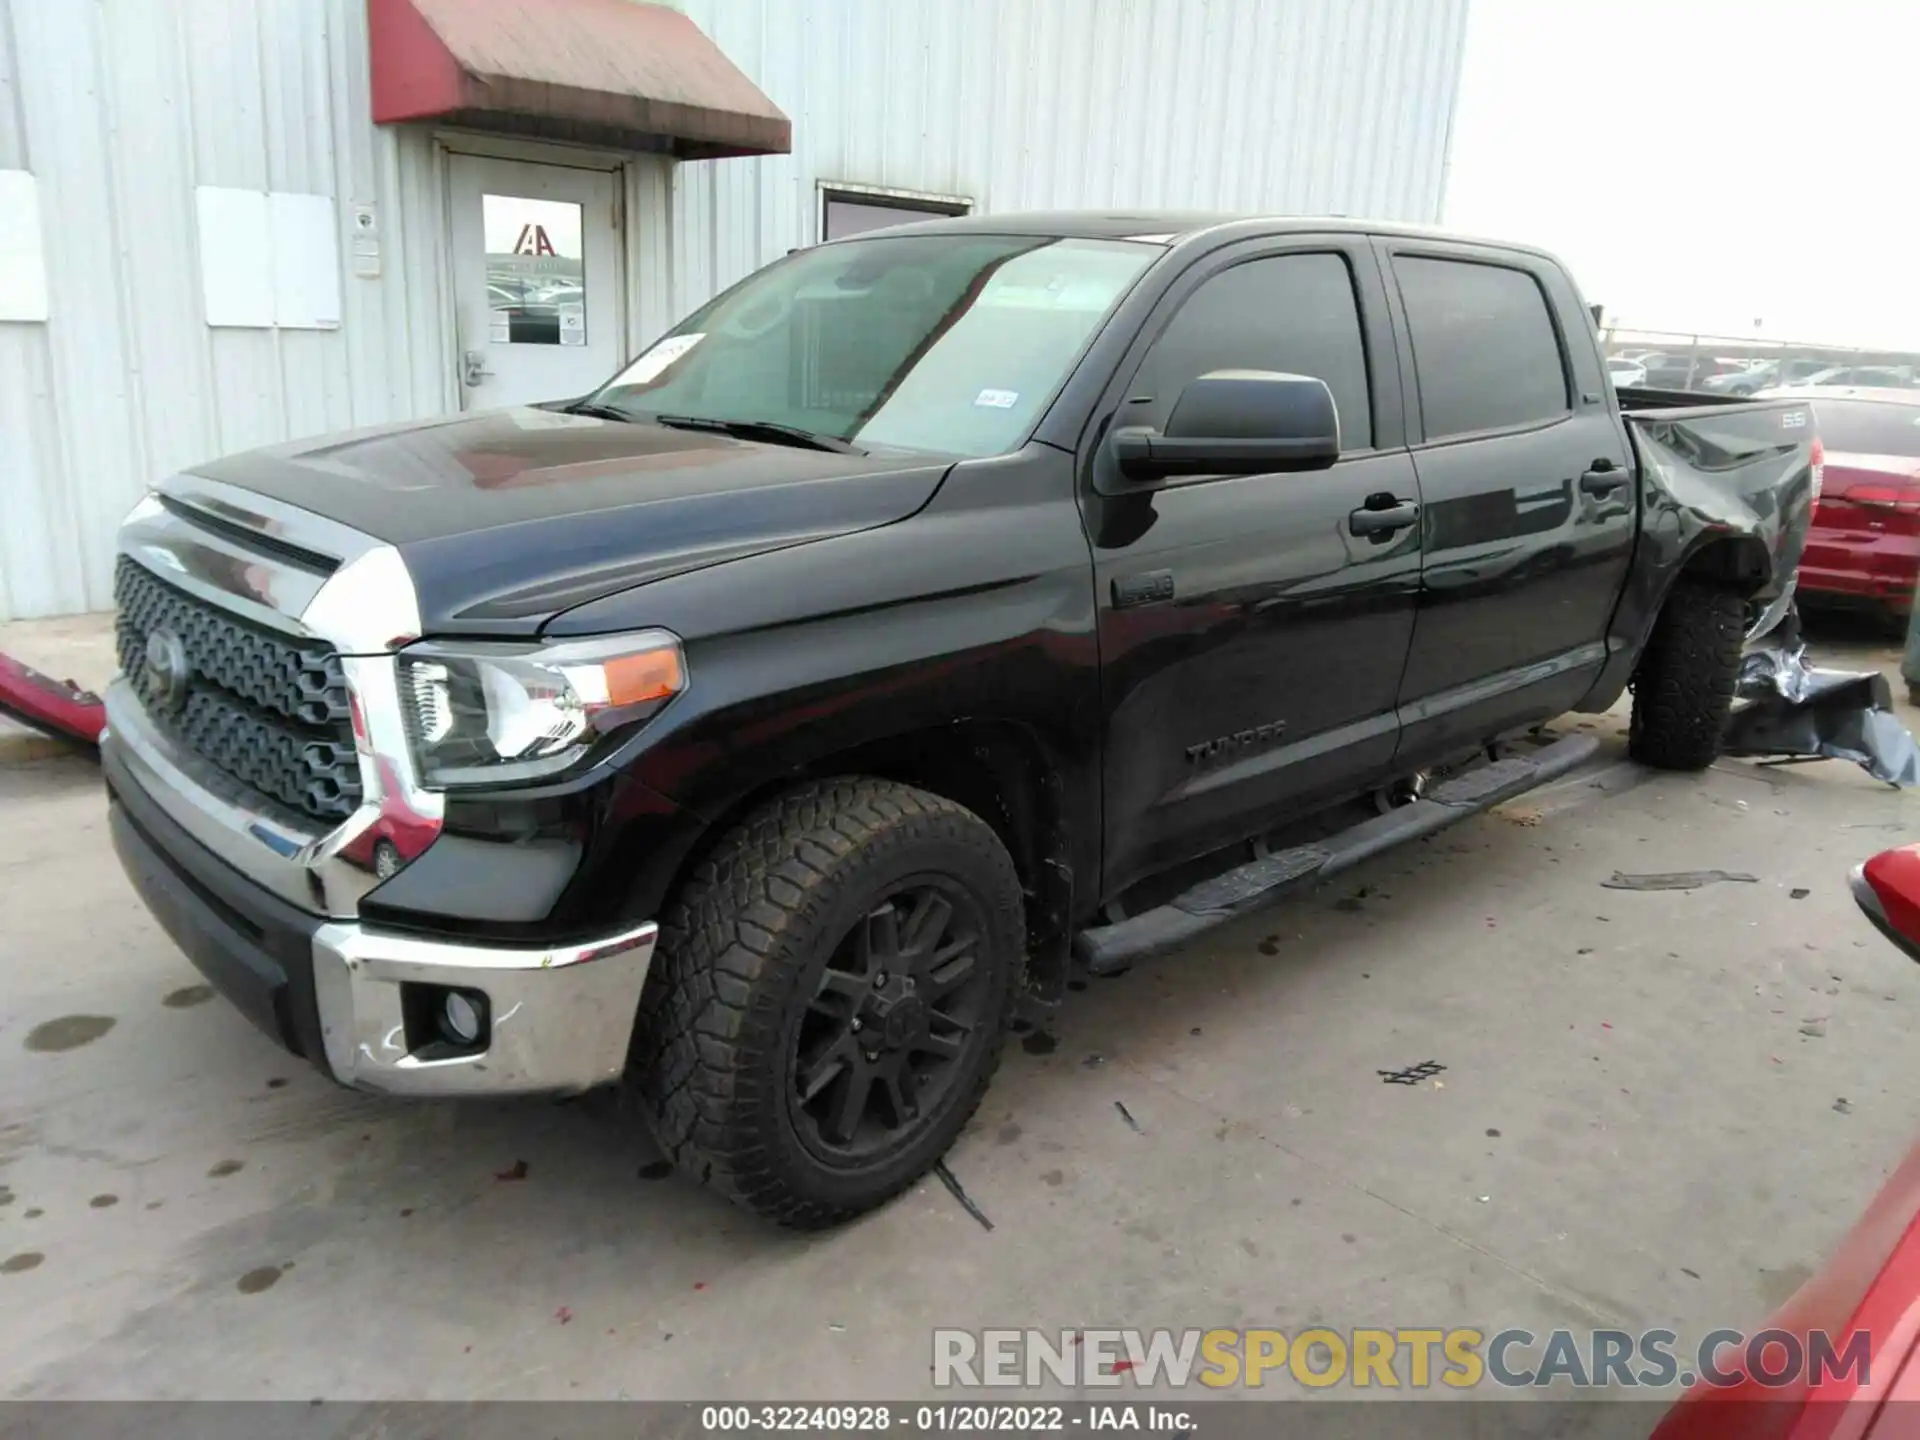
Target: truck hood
column 508, row 517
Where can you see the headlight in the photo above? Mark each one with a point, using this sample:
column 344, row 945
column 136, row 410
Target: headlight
column 483, row 714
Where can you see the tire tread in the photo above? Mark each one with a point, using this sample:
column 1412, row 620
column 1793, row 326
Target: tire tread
column 705, row 1063
column 1683, row 687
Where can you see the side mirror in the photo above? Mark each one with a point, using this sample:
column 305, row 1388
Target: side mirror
column 1236, row 422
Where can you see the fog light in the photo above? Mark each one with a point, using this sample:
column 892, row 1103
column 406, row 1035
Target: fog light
column 461, row 1016
column 386, row 860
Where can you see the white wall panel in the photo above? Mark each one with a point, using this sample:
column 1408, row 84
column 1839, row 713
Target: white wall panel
column 1282, row 106
column 122, row 108
column 13, row 145
column 23, row 250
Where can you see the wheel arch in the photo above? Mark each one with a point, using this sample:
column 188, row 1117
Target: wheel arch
column 1740, row 562
column 1002, row 771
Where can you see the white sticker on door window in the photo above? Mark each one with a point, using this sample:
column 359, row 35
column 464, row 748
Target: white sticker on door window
column 536, row 281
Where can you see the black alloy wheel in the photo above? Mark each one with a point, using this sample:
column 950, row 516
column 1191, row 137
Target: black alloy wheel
column 895, row 1020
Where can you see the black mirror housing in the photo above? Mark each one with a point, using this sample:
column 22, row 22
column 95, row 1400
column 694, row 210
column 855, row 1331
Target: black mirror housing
column 1237, row 422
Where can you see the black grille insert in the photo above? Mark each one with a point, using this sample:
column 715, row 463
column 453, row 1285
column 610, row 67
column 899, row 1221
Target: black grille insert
column 268, row 709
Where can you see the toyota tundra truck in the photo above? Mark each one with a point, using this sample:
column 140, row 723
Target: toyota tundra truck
column 934, row 616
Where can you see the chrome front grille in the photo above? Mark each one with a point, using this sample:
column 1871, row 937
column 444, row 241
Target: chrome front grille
column 268, row 709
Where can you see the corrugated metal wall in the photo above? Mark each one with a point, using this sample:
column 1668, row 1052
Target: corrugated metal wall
column 122, row 107
column 1296, row 106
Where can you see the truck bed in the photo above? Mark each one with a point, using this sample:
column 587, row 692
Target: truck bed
column 1723, row 465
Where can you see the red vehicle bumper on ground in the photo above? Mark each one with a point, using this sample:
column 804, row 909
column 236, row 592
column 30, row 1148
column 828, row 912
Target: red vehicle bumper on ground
column 57, row 707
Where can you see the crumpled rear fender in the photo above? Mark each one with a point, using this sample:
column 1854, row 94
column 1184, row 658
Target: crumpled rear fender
column 1726, row 493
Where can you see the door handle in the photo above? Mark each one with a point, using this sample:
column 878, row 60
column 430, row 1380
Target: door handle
column 473, row 367
column 1604, row 478
column 1385, row 520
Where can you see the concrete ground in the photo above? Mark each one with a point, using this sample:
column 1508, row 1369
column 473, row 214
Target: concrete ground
column 1656, row 1109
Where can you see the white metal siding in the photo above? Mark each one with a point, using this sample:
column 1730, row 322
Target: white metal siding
column 122, row 107
column 1289, row 106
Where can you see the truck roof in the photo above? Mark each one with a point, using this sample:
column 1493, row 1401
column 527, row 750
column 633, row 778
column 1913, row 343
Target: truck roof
column 1166, row 226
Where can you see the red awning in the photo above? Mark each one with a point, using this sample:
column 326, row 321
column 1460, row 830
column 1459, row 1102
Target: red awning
column 606, row 72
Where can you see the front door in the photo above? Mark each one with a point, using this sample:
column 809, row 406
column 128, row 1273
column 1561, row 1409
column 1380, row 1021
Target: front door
column 1251, row 634
column 536, row 280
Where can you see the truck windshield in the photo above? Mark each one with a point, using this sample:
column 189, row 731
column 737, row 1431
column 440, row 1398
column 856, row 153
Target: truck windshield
column 949, row 343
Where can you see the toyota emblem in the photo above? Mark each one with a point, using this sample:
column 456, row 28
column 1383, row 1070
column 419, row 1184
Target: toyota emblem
column 166, row 671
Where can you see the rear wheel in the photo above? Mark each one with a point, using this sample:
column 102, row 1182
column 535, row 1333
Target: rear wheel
column 829, row 999
column 1683, row 688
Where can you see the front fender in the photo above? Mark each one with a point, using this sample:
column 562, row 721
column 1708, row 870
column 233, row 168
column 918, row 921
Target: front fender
column 979, row 608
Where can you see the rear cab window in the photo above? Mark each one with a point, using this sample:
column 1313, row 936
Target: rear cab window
column 1485, row 351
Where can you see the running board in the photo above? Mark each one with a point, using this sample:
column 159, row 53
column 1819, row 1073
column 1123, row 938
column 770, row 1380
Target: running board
column 1107, row 948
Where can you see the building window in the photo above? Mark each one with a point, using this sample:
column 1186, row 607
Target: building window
column 855, row 209
column 536, row 277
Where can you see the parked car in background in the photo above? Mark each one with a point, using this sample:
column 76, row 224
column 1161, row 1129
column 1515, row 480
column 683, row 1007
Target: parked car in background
column 1765, row 374
column 1667, row 370
column 1682, row 370
column 1900, row 377
column 1864, row 547
column 1624, row 372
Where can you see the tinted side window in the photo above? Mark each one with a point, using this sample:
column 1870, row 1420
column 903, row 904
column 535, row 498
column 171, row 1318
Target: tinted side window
column 1483, row 346
column 1294, row 314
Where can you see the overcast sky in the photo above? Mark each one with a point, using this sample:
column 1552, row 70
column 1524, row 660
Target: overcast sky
column 1704, row 164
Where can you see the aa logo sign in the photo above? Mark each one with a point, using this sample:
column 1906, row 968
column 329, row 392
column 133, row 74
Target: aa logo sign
column 533, row 241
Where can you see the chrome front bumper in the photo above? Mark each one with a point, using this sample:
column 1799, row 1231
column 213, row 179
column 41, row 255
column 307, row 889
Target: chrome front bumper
column 340, row 991
column 268, row 909
column 562, row 1016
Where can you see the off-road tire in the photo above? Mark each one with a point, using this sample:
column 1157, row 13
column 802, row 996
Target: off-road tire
column 739, row 948
column 1683, row 688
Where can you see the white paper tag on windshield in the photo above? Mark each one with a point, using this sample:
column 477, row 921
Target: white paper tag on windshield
column 997, row 399
column 658, row 358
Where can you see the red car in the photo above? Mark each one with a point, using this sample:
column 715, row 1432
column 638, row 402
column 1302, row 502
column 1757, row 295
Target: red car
column 1864, row 546
column 1870, row 1287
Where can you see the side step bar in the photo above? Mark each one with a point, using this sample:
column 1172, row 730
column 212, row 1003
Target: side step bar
column 1107, row 948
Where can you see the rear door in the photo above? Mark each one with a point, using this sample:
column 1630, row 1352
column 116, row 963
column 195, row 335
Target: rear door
column 1528, row 507
column 1251, row 641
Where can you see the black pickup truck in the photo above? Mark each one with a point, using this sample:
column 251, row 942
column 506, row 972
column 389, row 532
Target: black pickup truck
column 933, row 614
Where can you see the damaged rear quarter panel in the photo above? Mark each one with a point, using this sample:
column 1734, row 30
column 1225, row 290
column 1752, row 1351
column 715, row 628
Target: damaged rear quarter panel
column 1709, row 474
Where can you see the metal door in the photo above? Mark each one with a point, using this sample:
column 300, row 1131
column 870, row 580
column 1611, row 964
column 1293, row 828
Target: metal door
column 536, row 280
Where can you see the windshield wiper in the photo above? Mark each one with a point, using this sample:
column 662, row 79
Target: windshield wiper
column 761, row 430
column 599, row 412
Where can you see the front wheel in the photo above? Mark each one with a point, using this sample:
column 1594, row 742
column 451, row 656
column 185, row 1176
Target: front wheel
column 829, row 999
column 1683, row 686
